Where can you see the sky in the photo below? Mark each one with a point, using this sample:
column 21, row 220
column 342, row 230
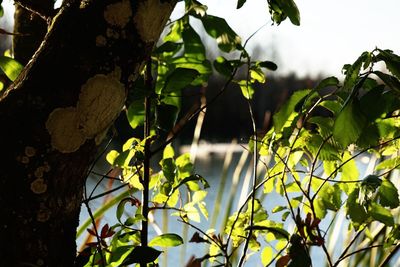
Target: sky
column 332, row 32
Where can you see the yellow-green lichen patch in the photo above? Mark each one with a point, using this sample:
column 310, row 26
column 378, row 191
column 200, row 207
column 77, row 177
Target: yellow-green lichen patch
column 30, row 151
column 38, row 186
column 62, row 127
column 43, row 214
column 100, row 101
column 101, row 41
column 118, row 14
column 150, row 18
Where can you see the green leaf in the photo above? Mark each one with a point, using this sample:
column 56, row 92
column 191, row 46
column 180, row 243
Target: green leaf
column 246, row 88
column 119, row 254
column 194, row 177
column 240, row 3
column 389, row 80
column 354, row 210
column 278, row 208
column 257, row 75
column 349, row 173
column 352, row 72
column 175, row 34
column 10, row 67
column 327, row 82
column 388, row 194
column 286, row 110
column 168, row 47
column 391, row 60
column 166, row 116
column 194, row 47
column 389, row 164
column 142, row 255
column 349, row 124
column 217, row 28
column 112, row 156
column 268, row 65
column 381, row 214
column 179, row 79
column 166, row 240
column 136, row 113
column 223, row 66
column 290, row 8
column 169, row 168
column 266, row 255
column 1, row 86
column 168, row 152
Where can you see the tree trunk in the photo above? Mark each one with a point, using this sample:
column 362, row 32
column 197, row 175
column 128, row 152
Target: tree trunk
column 55, row 115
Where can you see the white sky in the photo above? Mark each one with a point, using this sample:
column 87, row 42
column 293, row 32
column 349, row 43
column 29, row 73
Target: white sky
column 332, row 32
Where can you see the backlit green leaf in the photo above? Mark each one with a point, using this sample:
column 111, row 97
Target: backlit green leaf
column 388, row 194
column 257, row 75
column 354, row 210
column 217, row 28
column 286, row 110
column 246, row 88
column 389, row 164
column 266, row 255
column 349, row 124
column 135, row 114
column 10, row 67
column 381, row 214
column 166, row 240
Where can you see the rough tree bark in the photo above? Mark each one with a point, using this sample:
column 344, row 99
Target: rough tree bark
column 56, row 113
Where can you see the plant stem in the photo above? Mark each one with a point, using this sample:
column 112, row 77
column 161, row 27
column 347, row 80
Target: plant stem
column 146, row 163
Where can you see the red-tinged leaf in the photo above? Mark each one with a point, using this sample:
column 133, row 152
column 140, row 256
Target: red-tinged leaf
column 315, row 223
column 91, row 232
column 104, row 231
column 196, row 238
column 308, row 219
column 92, row 244
column 283, row 261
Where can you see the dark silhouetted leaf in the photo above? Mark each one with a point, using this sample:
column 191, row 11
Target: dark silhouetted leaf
column 327, row 82
column 291, row 10
column 389, row 80
column 179, row 79
column 166, row 116
column 142, row 255
column 240, row 3
column 268, row 65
